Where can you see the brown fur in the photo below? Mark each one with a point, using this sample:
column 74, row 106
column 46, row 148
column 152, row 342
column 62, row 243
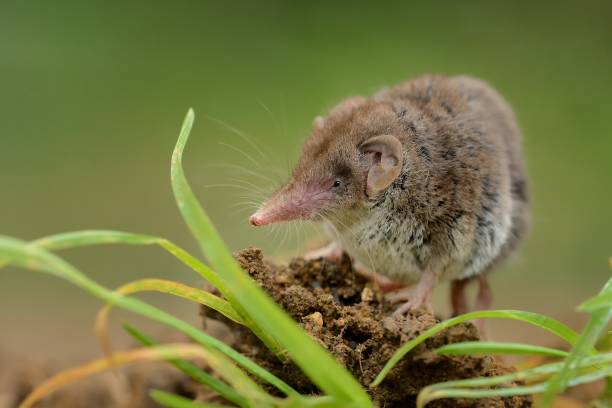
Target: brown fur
column 460, row 202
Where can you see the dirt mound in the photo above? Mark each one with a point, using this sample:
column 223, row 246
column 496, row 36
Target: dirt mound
column 350, row 318
column 342, row 310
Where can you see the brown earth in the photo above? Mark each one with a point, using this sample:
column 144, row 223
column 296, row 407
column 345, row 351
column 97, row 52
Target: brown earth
column 350, row 317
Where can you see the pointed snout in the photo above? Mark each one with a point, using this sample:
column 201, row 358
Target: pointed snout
column 286, row 205
column 272, row 212
column 258, row 218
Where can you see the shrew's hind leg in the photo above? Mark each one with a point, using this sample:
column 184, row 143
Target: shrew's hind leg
column 484, row 299
column 458, row 299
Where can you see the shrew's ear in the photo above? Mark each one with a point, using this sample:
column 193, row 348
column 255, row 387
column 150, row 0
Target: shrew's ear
column 343, row 108
column 385, row 159
column 317, row 124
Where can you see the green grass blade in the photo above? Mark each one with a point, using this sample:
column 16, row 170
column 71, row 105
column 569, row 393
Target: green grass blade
column 183, row 291
column 544, row 322
column 530, row 374
column 239, row 380
column 498, row 348
column 193, row 371
column 176, row 401
column 75, row 239
column 163, row 286
column 314, row 402
column 427, row 395
column 605, row 399
column 202, row 228
column 320, row 367
column 601, row 301
column 596, row 325
column 31, row 257
column 170, row 400
column 98, row 237
column 605, row 342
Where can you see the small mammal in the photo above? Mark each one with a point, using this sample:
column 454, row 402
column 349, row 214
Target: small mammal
column 421, row 182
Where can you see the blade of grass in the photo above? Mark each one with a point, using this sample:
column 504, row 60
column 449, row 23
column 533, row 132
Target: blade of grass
column 193, row 371
column 544, row 322
column 314, row 402
column 601, row 301
column 498, row 348
column 170, row 400
column 527, row 375
column 596, row 325
column 605, row 342
column 163, row 286
column 176, row 401
column 75, row 239
column 239, row 380
column 225, row 368
column 180, row 290
column 31, row 257
column 605, row 399
column 427, row 395
column 185, row 200
column 273, row 322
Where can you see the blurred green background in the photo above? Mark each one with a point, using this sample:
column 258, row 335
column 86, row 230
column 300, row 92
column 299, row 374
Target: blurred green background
column 92, row 95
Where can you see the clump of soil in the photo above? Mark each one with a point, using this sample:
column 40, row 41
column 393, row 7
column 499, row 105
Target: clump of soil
column 350, row 317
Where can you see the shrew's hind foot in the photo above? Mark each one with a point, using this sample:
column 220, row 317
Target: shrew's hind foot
column 418, row 297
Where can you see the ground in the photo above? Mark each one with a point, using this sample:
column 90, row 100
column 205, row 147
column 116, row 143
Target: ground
column 343, row 311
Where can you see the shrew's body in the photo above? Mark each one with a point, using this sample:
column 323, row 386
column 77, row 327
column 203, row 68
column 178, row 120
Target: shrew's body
column 420, row 182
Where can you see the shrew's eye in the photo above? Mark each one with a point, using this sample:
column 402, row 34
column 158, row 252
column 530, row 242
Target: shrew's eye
column 337, row 183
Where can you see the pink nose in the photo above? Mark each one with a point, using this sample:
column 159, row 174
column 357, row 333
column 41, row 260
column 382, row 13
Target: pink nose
column 256, row 220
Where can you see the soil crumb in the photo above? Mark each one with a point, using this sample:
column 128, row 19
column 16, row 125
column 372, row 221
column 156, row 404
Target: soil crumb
column 350, row 317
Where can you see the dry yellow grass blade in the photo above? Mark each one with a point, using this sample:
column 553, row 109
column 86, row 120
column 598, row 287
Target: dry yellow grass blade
column 163, row 286
column 236, row 377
